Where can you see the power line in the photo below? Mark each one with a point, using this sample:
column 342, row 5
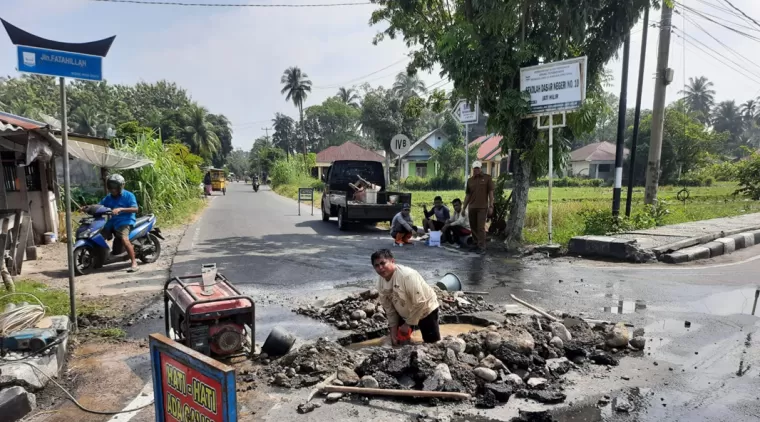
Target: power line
column 684, row 38
column 186, row 4
column 742, row 12
column 360, row 78
column 736, row 53
column 744, row 34
column 709, row 16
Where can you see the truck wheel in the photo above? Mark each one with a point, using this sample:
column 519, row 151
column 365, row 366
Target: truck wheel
column 325, row 215
column 342, row 219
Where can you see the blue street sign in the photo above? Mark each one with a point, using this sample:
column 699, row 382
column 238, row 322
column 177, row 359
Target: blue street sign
column 43, row 61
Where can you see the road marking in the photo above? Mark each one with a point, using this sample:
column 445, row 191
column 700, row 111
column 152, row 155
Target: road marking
column 144, row 397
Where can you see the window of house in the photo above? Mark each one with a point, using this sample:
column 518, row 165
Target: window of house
column 420, row 169
column 604, row 168
column 10, row 174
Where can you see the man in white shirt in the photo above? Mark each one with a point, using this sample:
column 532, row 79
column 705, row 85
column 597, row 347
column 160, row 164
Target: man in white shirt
column 458, row 225
column 408, row 300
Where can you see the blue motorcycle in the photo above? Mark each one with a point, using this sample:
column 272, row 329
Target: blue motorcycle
column 91, row 250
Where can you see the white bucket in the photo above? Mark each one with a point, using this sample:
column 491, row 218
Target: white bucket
column 371, row 197
column 50, row 237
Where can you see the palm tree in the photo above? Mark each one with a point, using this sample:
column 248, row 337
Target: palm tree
column 408, row 85
column 23, row 109
column 200, row 132
column 296, row 87
column 349, row 96
column 284, row 133
column 728, row 118
column 85, row 120
column 699, row 97
column 749, row 110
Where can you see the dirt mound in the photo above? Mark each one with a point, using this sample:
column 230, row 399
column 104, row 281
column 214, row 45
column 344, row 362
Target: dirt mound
column 362, row 312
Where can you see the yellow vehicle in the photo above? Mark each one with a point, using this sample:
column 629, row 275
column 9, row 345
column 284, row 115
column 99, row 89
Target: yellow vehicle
column 218, row 180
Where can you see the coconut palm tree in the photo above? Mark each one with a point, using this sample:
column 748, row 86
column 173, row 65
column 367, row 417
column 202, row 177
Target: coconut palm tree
column 699, row 97
column 296, row 86
column 349, row 96
column 21, row 108
column 408, row 85
column 85, row 120
column 200, row 134
column 727, row 117
column 749, row 110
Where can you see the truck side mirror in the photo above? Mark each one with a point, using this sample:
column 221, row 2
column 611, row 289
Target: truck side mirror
column 324, row 177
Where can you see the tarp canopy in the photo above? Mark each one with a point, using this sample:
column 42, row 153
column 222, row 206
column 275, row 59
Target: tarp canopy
column 106, row 157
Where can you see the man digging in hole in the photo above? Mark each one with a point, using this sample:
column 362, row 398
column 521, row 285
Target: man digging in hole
column 408, row 300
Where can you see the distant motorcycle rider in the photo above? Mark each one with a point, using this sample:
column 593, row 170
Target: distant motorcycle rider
column 123, row 205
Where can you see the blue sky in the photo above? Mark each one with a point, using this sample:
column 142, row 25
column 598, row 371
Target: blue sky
column 231, row 59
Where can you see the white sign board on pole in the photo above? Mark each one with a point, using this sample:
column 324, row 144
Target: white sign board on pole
column 555, row 87
column 400, row 144
column 464, row 113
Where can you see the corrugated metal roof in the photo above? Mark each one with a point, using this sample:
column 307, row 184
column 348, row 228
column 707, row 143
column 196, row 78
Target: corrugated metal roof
column 19, row 121
column 598, row 151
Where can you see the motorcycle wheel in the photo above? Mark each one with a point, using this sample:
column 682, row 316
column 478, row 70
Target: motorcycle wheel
column 84, row 260
column 153, row 246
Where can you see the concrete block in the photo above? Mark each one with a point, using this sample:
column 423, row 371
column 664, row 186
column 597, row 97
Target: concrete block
column 728, row 244
column 756, row 233
column 697, row 252
column 15, row 403
column 619, row 247
column 50, row 362
column 749, row 239
column 738, row 240
column 675, row 258
column 716, row 248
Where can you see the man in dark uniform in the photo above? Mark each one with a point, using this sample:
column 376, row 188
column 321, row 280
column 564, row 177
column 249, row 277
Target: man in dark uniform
column 479, row 203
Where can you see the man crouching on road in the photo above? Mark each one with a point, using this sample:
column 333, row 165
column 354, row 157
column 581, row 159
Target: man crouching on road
column 408, row 300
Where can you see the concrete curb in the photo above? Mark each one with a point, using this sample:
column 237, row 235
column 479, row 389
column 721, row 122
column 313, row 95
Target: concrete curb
column 720, row 246
column 698, row 240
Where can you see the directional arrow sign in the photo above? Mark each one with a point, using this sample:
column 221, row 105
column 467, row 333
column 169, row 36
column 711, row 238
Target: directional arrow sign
column 400, row 144
column 465, row 114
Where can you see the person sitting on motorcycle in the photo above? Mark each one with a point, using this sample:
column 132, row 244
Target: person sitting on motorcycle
column 123, row 205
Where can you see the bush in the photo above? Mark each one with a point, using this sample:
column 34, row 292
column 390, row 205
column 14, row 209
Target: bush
column 168, row 187
column 293, row 171
column 695, row 180
column 602, row 222
column 438, row 182
column 722, row 172
column 748, row 176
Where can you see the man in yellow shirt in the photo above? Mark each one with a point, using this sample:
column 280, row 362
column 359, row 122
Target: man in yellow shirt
column 408, row 300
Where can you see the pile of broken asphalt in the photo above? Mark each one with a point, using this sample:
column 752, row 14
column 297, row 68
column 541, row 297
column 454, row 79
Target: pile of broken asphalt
column 526, row 357
column 362, row 313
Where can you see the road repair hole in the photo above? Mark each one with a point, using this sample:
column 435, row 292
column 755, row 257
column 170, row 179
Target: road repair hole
column 446, row 330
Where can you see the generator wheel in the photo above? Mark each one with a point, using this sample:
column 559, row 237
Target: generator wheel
column 151, row 250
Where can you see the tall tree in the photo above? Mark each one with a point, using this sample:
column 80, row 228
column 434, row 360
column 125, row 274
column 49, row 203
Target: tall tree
column 238, row 162
column 200, row 132
column 349, row 96
column 699, row 97
column 223, row 132
column 407, row 85
column 749, row 110
column 296, row 87
column 84, row 120
column 284, row 136
column 481, row 46
column 728, row 118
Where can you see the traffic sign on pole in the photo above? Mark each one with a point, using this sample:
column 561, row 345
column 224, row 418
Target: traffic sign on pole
column 464, row 113
column 400, row 144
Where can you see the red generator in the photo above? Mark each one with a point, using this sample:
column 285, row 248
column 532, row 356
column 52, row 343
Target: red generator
column 208, row 314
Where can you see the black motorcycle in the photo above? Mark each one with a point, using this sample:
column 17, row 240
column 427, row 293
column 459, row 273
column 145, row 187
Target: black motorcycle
column 255, row 185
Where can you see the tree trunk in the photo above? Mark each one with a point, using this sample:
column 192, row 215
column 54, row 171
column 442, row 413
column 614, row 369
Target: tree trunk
column 519, row 206
column 303, row 131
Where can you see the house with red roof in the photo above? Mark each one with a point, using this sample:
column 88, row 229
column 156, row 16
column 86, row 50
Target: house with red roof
column 490, row 154
column 595, row 161
column 346, row 151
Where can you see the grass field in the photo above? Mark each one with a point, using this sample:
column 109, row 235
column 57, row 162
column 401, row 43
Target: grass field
column 568, row 204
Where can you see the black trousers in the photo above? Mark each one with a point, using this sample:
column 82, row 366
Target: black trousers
column 429, row 327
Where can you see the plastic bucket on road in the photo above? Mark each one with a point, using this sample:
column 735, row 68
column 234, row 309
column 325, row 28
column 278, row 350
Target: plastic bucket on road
column 450, row 282
column 278, row 343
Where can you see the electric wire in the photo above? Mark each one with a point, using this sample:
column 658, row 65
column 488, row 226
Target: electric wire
column 722, row 61
column 71, row 397
column 360, row 78
column 21, row 317
column 710, row 17
column 736, row 53
column 746, row 16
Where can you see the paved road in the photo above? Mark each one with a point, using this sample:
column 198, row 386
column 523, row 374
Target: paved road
column 261, row 244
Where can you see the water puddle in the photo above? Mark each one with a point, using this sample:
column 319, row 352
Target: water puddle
column 626, row 307
column 446, row 330
column 739, row 301
column 304, row 328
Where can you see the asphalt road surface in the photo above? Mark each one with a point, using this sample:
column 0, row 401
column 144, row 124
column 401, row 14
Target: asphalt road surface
column 708, row 371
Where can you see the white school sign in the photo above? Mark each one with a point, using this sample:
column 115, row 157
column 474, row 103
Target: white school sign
column 555, row 87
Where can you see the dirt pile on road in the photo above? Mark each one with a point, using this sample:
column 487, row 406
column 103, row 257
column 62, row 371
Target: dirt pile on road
column 526, row 357
column 362, row 312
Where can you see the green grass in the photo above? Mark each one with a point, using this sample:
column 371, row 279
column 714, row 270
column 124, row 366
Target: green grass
column 112, row 333
column 56, row 300
column 569, row 203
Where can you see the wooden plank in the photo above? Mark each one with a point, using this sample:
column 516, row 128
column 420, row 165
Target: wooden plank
column 14, row 240
column 3, row 194
column 18, row 260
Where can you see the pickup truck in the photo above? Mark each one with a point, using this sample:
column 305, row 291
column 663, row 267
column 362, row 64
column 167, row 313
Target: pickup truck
column 338, row 195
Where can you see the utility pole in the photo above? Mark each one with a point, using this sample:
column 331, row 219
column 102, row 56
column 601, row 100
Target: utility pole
column 637, row 114
column 622, row 106
column 663, row 78
column 266, row 131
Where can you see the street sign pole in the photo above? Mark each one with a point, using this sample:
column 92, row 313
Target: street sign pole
column 400, row 145
column 551, row 128
column 67, row 202
column 466, row 156
column 466, row 116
